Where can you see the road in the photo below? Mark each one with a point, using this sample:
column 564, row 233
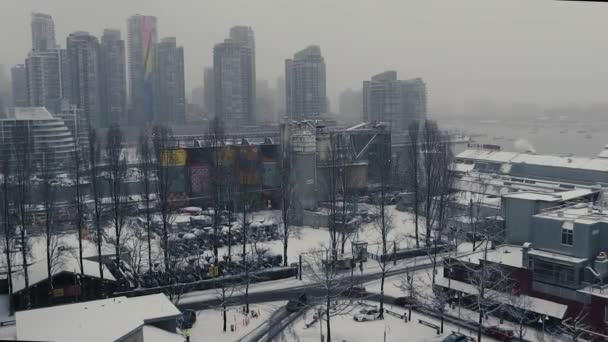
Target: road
column 312, row 290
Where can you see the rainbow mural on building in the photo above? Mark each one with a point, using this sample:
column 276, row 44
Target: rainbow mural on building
column 148, row 27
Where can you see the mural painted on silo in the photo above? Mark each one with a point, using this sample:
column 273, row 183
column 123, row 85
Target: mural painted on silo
column 270, row 168
column 251, row 167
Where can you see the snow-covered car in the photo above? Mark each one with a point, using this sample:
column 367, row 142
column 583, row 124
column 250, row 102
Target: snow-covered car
column 367, row 315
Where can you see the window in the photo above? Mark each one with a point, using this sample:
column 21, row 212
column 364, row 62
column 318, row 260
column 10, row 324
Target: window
column 554, row 273
column 567, row 233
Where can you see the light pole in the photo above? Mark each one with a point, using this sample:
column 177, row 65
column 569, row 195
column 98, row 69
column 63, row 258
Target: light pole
column 542, row 320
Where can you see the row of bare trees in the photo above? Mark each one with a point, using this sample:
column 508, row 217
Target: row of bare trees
column 89, row 167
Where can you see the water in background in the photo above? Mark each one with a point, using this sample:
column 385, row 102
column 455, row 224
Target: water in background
column 543, row 137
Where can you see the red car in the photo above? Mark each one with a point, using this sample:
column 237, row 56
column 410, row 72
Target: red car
column 500, row 333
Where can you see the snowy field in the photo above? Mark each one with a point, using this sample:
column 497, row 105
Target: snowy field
column 304, row 238
column 209, row 323
column 344, row 328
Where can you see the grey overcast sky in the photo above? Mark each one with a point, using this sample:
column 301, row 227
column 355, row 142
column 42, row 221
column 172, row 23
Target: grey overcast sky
column 505, row 51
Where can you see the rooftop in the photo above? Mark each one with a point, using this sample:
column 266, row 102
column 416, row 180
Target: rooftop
column 100, row 320
column 37, row 272
column 30, row 113
column 526, row 302
column 580, row 212
column 557, row 256
column 509, row 255
column 583, row 163
column 551, row 197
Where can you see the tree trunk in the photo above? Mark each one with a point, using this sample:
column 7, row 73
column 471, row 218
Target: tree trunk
column 285, row 241
column 26, row 277
column 224, row 314
column 148, row 227
column 247, row 293
column 416, row 209
column 166, row 243
column 479, row 322
column 382, row 290
column 328, row 338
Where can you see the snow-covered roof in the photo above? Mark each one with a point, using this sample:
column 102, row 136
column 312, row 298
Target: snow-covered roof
column 31, row 113
column 152, row 308
column 583, row 163
column 537, row 305
column 509, row 255
column 100, row 320
column 37, row 272
column 154, row 334
column 550, row 197
column 465, row 198
column 489, row 155
column 557, row 256
column 579, row 212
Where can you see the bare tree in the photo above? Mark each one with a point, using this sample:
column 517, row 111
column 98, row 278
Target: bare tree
column 412, row 171
column 48, row 199
column 248, row 276
column 334, row 168
column 162, row 140
column 146, row 168
column 23, row 158
column 78, row 202
column 408, row 285
column 215, row 139
column 518, row 309
column 7, row 226
column 246, row 202
column 135, row 242
column 431, row 145
column 224, row 295
column 117, row 170
column 490, row 281
column 94, row 158
column 443, row 179
column 383, row 223
column 333, row 283
column 287, row 198
column 347, row 229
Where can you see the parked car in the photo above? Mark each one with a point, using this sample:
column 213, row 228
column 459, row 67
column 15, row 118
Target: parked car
column 405, row 301
column 297, row 303
column 188, row 319
column 355, row 292
column 455, row 337
column 500, row 333
column 367, row 315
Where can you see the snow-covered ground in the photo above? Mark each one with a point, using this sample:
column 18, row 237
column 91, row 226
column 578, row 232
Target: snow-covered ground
column 209, row 323
column 394, row 287
column 344, row 328
column 303, row 239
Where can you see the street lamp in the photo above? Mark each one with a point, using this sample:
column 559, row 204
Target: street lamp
column 542, row 319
